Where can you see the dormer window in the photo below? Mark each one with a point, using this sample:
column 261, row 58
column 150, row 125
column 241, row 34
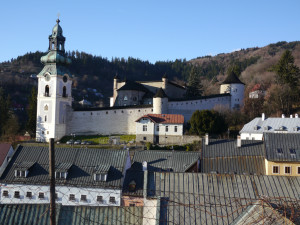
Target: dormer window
column 125, row 98
column 293, row 153
column 61, row 170
column 101, row 173
column 20, row 173
column 279, row 152
column 22, row 169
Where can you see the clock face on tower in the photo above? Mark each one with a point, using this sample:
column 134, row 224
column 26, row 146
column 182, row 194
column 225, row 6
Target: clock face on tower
column 65, row 79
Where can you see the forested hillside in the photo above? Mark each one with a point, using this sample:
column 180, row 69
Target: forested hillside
column 253, row 66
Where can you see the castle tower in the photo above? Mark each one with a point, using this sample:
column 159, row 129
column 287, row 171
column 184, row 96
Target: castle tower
column 54, row 89
column 165, row 82
column 160, row 102
column 236, row 88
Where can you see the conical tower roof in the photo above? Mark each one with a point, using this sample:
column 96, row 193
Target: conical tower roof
column 232, row 79
column 160, row 94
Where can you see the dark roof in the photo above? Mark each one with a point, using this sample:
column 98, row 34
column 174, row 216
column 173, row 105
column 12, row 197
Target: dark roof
column 138, row 177
column 133, row 86
column 11, row 214
column 232, row 79
column 176, row 85
column 282, row 146
column 177, row 161
column 164, row 118
column 112, row 108
column 223, row 156
column 4, row 149
column 197, row 198
column 80, row 162
column 160, row 94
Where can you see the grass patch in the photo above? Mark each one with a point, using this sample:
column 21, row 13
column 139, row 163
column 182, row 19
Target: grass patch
column 98, row 139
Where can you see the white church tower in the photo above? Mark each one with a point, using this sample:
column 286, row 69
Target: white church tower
column 54, row 89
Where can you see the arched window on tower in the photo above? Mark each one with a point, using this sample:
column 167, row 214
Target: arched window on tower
column 47, row 91
column 64, row 92
column 45, row 118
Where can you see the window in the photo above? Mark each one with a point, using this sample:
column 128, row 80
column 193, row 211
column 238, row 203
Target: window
column 125, row 98
column 64, row 92
column 17, row 194
column 72, row 197
column 279, row 152
column 131, row 204
column 287, row 170
column 47, row 91
column 83, row 198
column 275, row 169
column 298, row 169
column 28, row 194
column 293, row 153
column 46, row 108
column 175, row 129
column 100, row 177
column 45, row 118
column 41, row 195
column 112, row 200
column 157, row 128
column 100, row 199
column 167, row 128
column 20, row 173
column 144, row 127
column 60, row 175
column 145, row 138
column 47, row 131
column 5, row 193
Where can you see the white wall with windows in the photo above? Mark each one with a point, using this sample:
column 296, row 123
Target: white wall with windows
column 36, row 194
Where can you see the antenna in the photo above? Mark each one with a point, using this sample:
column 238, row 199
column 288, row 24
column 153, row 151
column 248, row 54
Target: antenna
column 58, row 15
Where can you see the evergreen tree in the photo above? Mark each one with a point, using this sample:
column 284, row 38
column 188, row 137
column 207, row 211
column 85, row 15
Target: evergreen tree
column 4, row 109
column 194, row 87
column 31, row 124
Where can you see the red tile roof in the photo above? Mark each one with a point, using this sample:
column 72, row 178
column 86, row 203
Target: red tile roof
column 164, row 118
column 4, row 148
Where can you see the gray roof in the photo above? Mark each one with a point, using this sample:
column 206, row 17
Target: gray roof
column 83, row 161
column 196, row 198
column 138, row 177
column 177, row 161
column 31, row 214
column 282, row 147
column 290, row 125
column 223, row 156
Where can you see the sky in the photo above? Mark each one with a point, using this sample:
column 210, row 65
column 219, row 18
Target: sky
column 153, row 30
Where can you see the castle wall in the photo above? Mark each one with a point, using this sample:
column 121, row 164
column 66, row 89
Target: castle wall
column 106, row 122
column 186, row 108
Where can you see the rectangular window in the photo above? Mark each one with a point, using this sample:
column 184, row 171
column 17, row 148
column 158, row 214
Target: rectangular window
column 100, row 177
column 5, row 194
column 17, row 194
column 167, row 128
column 131, row 204
column 20, row 173
column 157, row 128
column 145, row 138
column 112, row 200
column 175, row 129
column 275, row 169
column 144, row 127
column 298, row 169
column 28, row 194
column 287, row 170
column 60, row 175
column 83, row 198
column 41, row 195
column 100, row 199
column 72, row 197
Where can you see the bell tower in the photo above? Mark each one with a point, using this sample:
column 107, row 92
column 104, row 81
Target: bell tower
column 54, row 89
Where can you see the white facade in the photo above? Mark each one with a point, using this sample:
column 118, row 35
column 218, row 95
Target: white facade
column 54, row 96
column 63, row 195
column 237, row 94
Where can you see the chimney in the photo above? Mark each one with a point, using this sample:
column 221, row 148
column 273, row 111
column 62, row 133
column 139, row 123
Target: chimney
column 206, row 139
column 296, row 115
column 144, row 166
column 263, row 117
column 239, row 141
column 291, row 116
column 282, row 116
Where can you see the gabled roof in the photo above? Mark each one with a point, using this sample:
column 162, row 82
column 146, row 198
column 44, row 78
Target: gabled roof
column 133, row 86
column 272, row 124
column 63, row 167
column 282, row 147
column 164, row 118
column 4, row 149
column 197, row 198
column 80, row 174
column 224, row 157
column 232, row 79
column 177, row 161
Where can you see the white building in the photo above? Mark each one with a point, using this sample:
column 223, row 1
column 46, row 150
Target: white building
column 159, row 128
column 83, row 176
column 130, row 101
column 254, row 129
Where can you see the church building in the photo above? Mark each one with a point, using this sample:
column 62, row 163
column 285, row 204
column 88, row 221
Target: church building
column 131, row 100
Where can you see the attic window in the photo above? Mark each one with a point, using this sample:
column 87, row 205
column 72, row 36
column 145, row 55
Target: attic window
column 100, row 177
column 61, row 170
column 266, row 128
column 41, row 195
column 61, row 175
column 28, row 194
column 100, row 199
column 20, row 173
column 5, row 193
column 279, row 152
column 71, row 197
column 83, row 198
column 293, row 153
column 17, row 194
column 112, row 200
column 125, row 98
